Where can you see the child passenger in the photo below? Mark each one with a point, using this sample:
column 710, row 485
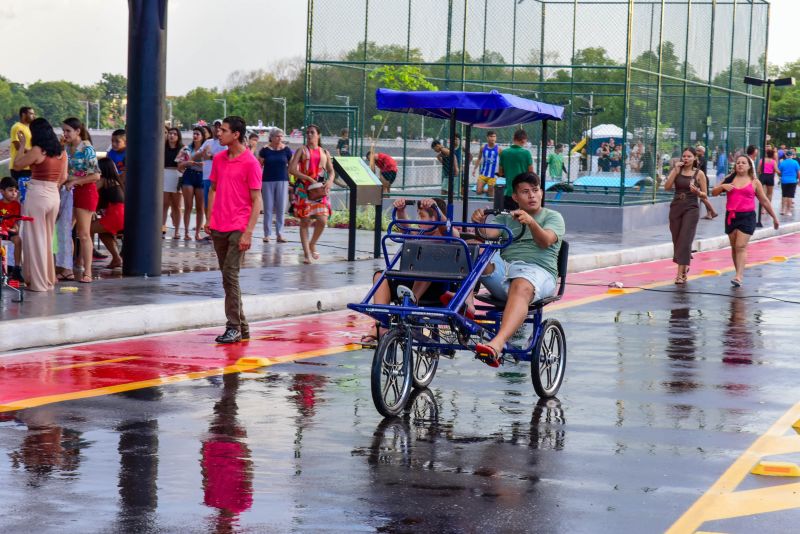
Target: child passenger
column 428, row 209
column 9, row 205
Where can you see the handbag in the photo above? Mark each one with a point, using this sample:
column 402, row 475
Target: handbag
column 316, row 192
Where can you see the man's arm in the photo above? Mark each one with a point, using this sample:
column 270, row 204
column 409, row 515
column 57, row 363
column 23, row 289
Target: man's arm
column 543, row 237
column 212, row 193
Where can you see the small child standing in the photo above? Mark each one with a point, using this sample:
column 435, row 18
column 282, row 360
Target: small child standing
column 9, row 205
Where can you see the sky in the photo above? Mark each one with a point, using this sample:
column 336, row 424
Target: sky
column 89, row 37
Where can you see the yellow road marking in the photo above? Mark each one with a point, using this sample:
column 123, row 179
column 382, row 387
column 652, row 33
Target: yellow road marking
column 161, row 381
column 722, row 501
column 89, row 364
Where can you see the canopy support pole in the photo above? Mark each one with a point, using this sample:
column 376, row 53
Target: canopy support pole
column 543, row 158
column 450, row 174
column 465, row 176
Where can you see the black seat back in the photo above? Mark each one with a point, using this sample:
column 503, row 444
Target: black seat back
column 563, row 259
column 435, row 257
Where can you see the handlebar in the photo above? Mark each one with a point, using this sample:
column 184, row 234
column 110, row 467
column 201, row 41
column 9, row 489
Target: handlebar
column 494, row 213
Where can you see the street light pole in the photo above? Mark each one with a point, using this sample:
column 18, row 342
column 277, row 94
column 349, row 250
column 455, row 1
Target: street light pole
column 98, row 114
column 769, row 82
column 346, row 99
column 169, row 105
column 224, row 102
column 282, row 100
column 86, row 102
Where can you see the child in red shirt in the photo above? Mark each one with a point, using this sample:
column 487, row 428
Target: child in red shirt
column 9, row 228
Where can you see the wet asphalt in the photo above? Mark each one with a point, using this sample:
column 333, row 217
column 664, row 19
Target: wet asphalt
column 663, row 391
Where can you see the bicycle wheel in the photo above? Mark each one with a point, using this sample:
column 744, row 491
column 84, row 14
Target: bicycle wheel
column 391, row 372
column 425, row 363
column 549, row 359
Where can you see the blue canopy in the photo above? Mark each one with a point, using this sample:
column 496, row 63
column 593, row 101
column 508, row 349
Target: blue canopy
column 484, row 110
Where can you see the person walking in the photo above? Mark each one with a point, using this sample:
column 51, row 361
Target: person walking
column 234, row 204
column 691, row 185
column 742, row 188
column 309, row 166
column 172, row 198
column 789, row 170
column 275, row 158
column 702, row 164
column 488, row 160
column 48, row 163
column 83, row 174
column 192, row 183
column 768, row 168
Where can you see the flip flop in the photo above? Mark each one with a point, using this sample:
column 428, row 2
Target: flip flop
column 736, row 283
column 68, row 278
column 282, row 240
column 487, row 355
column 85, row 279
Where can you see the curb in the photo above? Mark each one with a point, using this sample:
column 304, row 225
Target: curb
column 589, row 262
column 126, row 321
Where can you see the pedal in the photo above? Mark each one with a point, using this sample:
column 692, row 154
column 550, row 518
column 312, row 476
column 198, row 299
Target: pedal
column 404, row 291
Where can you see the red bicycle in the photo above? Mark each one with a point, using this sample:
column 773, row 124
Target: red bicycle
column 4, row 278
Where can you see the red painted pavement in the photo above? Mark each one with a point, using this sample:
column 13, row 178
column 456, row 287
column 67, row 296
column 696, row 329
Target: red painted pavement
column 43, row 373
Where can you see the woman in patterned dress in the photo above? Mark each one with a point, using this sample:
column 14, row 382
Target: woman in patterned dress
column 83, row 174
column 312, row 165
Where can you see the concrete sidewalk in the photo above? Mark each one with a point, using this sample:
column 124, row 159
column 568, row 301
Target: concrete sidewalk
column 275, row 284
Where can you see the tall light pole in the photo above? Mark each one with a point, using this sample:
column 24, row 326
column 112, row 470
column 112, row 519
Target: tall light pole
column 169, row 105
column 224, row 102
column 97, row 103
column 758, row 82
column 282, row 100
column 85, row 102
column 346, row 99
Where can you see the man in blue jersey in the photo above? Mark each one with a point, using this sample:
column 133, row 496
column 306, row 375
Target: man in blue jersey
column 488, row 159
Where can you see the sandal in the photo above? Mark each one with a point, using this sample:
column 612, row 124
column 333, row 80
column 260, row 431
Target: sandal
column 487, row 354
column 371, row 340
column 265, row 239
column 61, row 277
column 736, row 283
column 187, row 237
column 85, row 279
column 281, row 239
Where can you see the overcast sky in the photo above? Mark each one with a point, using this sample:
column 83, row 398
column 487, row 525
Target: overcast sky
column 77, row 40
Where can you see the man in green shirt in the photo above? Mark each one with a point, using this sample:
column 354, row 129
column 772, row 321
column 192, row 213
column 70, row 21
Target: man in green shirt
column 514, row 161
column 555, row 163
column 528, row 267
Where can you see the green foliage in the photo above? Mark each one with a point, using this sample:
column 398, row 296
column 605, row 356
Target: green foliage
column 365, row 218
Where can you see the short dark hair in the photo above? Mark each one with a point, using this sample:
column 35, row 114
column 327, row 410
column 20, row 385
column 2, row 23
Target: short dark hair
column 526, row 178
column 440, row 203
column 119, row 133
column 43, row 136
column 559, row 146
column 7, row 182
column 23, row 110
column 751, row 149
column 490, row 132
column 435, row 143
column 237, row 125
column 520, row 135
column 253, row 136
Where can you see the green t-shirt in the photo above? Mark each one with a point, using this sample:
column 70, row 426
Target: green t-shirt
column 555, row 165
column 515, row 160
column 526, row 249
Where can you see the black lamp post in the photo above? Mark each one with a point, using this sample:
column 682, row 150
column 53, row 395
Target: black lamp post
column 758, row 82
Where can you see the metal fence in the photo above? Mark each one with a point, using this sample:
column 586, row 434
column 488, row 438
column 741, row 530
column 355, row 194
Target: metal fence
column 656, row 75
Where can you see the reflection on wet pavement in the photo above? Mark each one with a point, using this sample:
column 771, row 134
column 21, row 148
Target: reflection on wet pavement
column 656, row 403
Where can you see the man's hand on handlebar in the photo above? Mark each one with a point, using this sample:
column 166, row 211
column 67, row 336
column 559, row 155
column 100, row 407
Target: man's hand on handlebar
column 401, row 203
column 478, row 216
column 522, row 217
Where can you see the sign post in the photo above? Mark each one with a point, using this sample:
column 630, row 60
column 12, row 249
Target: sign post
column 365, row 189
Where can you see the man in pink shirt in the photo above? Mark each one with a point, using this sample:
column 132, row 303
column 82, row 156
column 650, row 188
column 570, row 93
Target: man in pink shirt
column 234, row 204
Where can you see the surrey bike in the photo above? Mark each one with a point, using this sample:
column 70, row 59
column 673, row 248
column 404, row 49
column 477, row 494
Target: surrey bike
column 4, row 277
column 418, row 333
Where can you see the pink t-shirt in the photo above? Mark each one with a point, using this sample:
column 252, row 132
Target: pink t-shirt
column 234, row 179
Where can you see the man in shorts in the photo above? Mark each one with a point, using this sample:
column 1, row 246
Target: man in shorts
column 488, row 160
column 525, row 270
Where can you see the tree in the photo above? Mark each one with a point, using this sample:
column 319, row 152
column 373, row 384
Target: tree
column 56, row 101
